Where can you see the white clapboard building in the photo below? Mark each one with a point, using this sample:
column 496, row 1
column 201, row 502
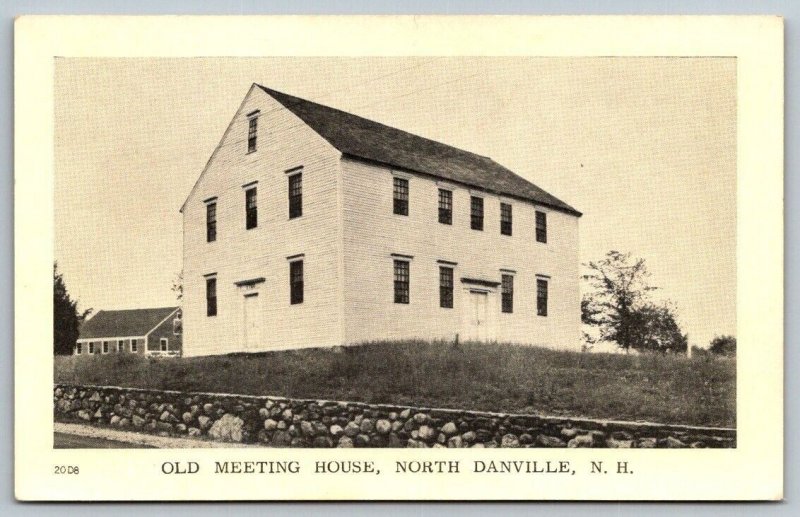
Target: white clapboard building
column 310, row 226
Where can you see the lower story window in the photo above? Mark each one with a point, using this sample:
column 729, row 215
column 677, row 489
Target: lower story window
column 91, row 348
column 105, row 347
column 120, row 346
column 541, row 297
column 134, row 345
column 79, row 348
column 401, row 281
column 296, row 282
column 445, row 287
column 508, row 293
column 164, row 344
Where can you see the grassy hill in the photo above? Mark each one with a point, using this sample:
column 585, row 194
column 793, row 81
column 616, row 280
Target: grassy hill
column 491, row 377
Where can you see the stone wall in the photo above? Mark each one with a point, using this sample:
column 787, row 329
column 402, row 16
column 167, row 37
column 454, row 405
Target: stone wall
column 281, row 422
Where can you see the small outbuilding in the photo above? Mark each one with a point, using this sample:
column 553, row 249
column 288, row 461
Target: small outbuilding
column 151, row 332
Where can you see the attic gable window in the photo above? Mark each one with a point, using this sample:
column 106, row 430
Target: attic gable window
column 252, row 131
column 445, row 206
column 541, row 227
column 505, row 218
column 400, row 196
column 211, row 221
column 476, row 213
column 251, row 208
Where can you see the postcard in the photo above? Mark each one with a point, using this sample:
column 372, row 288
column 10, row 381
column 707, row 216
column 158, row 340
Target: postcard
column 291, row 256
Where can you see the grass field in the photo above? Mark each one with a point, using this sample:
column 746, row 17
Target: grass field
column 491, row 377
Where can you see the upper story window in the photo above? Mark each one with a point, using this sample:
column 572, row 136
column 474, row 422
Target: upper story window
column 541, row 226
column 211, row 296
column 402, row 282
column 251, row 208
column 505, row 218
column 252, row 132
column 211, row 221
column 508, row 293
column 295, row 195
column 445, row 206
column 476, row 213
column 541, row 297
column 296, row 281
column 400, row 196
column 445, row 287
column 164, row 344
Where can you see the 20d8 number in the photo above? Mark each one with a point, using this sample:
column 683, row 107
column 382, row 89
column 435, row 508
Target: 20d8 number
column 66, row 469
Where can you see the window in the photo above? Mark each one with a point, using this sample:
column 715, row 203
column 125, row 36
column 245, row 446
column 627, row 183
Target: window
column 177, row 324
column 91, row 347
column 120, row 346
column 541, row 297
column 445, row 287
column 296, row 281
column 295, row 195
column 211, row 222
column 105, row 347
column 445, row 206
column 505, row 219
column 476, row 213
column 541, row 226
column 508, row 293
column 252, row 131
column 251, row 208
column 79, row 348
column 211, row 296
column 400, row 196
column 164, row 344
column 401, row 281
column 134, row 345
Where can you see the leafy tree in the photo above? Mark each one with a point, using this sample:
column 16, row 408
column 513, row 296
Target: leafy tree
column 177, row 286
column 723, row 345
column 66, row 318
column 619, row 307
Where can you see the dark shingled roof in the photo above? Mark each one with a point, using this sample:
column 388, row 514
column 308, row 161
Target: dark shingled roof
column 130, row 323
column 362, row 138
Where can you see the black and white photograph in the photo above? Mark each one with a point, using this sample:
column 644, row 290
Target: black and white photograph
column 287, row 252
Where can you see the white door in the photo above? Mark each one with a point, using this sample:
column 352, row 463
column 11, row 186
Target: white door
column 478, row 307
column 252, row 322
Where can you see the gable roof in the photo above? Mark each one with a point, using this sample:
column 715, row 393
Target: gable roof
column 125, row 323
column 362, row 138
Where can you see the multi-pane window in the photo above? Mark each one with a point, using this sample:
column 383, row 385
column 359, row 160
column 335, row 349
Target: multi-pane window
column 541, row 226
column 476, row 213
column 252, row 132
column 91, row 347
column 445, row 206
column 505, row 218
column 211, row 222
column 400, row 196
column 446, row 287
column 79, row 348
column 134, row 345
column 105, row 347
column 401, row 281
column 120, row 346
column 164, row 344
column 251, row 208
column 296, row 281
column 508, row 293
column 211, row 296
column 541, row 297
column 295, row 195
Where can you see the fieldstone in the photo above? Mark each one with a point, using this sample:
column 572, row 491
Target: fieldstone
column 415, row 444
column 449, row 428
column 477, row 446
column 697, row 445
column 404, row 414
column 362, row 440
column 281, row 439
column 228, row 428
column 85, row 415
column 442, row 438
column 208, row 408
column 124, row 422
column 320, row 429
column 397, row 425
column 581, row 441
column 166, row 416
column 345, row 442
column 383, row 426
column 193, row 431
column 455, row 442
column 392, row 415
column 164, row 427
column 569, row 432
column 306, row 428
column 469, row 436
column 550, row 441
column 322, row 442
column 358, row 419
column 336, row 431
column 619, row 444
column 287, row 415
column 420, row 418
column 59, row 392
column 352, row 429
column 98, row 414
column 509, row 441
column 115, row 420
column 426, row 433
column 181, row 428
column 263, row 413
column 367, row 426
column 294, row 431
column 621, row 435
column 599, row 437
column 482, row 435
column 394, row 441
column 410, row 425
column 671, row 442
column 204, row 422
column 298, row 442
column 137, row 421
column 438, row 446
column 270, row 424
column 95, row 397
column 525, row 439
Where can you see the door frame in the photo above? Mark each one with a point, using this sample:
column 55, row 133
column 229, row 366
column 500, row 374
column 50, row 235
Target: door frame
column 467, row 327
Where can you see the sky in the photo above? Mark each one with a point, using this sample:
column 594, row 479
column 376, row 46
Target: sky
column 644, row 147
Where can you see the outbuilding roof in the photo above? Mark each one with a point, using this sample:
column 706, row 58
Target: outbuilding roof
column 369, row 140
column 124, row 323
